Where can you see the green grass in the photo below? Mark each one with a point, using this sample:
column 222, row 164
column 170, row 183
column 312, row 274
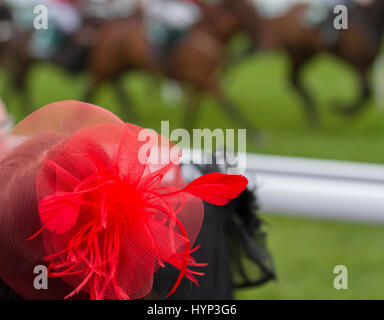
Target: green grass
column 305, row 251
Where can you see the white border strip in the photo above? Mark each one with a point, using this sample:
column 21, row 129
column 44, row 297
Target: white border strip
column 318, row 188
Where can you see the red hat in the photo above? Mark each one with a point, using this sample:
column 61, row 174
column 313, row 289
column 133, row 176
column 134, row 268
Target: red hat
column 83, row 193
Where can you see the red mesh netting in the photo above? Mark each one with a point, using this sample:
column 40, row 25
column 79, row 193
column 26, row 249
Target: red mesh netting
column 110, row 213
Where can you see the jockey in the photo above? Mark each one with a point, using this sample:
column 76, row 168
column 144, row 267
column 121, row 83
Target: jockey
column 320, row 15
column 22, row 12
column 64, row 19
column 65, row 15
column 62, row 13
column 167, row 20
column 174, row 14
column 105, row 9
column 318, row 12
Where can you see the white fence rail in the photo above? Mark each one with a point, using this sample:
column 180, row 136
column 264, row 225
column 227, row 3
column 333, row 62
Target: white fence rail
column 318, row 188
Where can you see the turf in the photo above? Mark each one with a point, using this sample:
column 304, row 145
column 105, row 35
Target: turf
column 305, row 251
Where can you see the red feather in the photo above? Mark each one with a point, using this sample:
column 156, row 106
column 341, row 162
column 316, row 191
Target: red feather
column 59, row 212
column 217, row 188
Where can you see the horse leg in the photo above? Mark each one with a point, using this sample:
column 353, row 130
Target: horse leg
column 19, row 84
column 8, row 91
column 365, row 93
column 308, row 103
column 192, row 108
column 27, row 100
column 122, row 96
column 92, row 89
column 90, row 92
column 125, row 102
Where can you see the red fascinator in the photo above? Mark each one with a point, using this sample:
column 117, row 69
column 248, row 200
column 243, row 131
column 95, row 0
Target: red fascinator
column 85, row 195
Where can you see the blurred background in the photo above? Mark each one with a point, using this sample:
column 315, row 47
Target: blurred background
column 286, row 71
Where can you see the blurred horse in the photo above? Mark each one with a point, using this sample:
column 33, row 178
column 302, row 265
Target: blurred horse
column 12, row 53
column 123, row 46
column 358, row 45
column 17, row 58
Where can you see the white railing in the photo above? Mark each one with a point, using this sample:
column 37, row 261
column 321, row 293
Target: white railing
column 318, row 188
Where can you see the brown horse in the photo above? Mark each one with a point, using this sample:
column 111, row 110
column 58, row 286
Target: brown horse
column 13, row 52
column 17, row 59
column 123, row 46
column 359, row 45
